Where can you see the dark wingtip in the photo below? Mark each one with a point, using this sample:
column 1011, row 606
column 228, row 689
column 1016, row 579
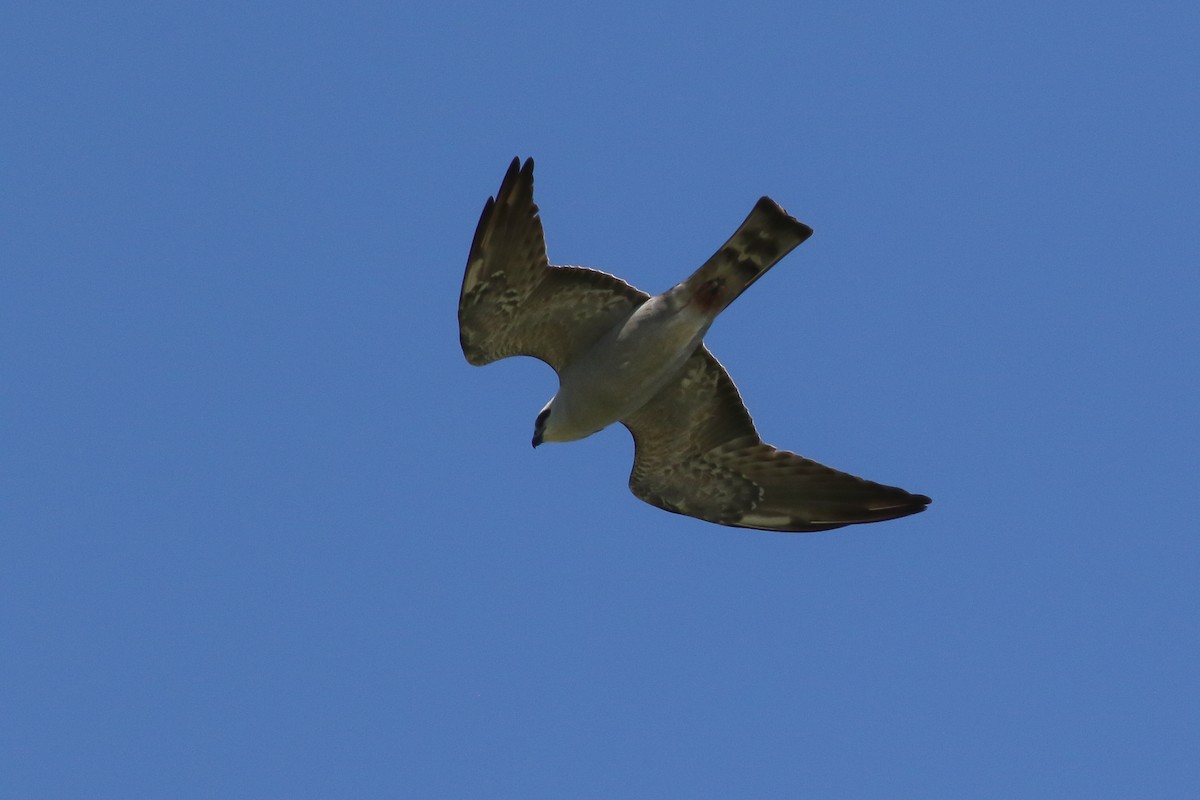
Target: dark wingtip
column 915, row 504
column 510, row 178
column 517, row 181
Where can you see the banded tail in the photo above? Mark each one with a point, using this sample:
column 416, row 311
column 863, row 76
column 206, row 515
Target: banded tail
column 767, row 235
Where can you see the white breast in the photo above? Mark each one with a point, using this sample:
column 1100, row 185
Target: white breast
column 624, row 368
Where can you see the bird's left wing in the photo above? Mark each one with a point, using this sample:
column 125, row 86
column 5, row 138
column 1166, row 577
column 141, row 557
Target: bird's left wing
column 697, row 453
column 514, row 302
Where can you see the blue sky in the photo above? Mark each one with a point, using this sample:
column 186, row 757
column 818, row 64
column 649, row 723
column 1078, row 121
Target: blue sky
column 265, row 533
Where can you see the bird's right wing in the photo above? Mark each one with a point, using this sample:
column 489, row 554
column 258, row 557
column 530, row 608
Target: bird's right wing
column 514, row 302
column 697, row 453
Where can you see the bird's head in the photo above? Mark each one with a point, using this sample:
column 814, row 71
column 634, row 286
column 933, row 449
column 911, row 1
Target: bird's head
column 539, row 425
column 555, row 423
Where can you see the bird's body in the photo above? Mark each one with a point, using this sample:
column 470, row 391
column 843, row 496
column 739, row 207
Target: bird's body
column 619, row 372
column 623, row 356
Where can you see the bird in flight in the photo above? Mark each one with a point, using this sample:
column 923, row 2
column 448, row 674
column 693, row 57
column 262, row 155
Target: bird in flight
column 624, row 356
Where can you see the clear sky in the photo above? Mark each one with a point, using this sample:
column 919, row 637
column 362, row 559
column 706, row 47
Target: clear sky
column 265, row 533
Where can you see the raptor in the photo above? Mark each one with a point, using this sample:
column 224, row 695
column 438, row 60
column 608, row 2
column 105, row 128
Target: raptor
column 624, row 356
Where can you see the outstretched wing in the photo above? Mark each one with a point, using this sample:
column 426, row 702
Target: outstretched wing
column 514, row 303
column 697, row 453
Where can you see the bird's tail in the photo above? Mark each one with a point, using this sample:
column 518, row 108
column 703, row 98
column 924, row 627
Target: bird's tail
column 767, row 235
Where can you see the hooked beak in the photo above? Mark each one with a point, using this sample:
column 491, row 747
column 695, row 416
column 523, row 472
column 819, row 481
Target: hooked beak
column 537, row 439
